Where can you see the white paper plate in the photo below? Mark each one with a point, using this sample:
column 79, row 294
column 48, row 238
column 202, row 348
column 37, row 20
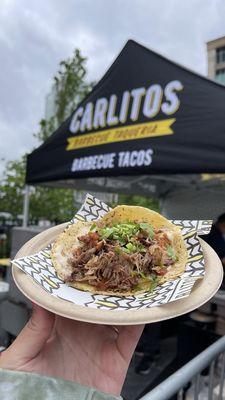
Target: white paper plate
column 202, row 291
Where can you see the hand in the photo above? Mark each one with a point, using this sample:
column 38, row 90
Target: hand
column 89, row 354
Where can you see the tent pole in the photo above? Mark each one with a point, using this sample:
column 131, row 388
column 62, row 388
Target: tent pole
column 26, row 207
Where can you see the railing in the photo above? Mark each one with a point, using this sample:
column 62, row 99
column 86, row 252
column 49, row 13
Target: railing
column 191, row 372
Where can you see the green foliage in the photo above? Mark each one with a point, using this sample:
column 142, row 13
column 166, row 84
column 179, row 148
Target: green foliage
column 12, row 186
column 47, row 127
column 147, row 202
column 56, row 205
column 70, row 85
column 69, row 89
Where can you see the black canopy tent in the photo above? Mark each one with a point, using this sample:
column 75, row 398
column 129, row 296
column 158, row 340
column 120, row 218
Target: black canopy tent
column 148, row 118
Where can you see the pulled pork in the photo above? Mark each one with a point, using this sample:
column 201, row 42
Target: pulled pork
column 121, row 257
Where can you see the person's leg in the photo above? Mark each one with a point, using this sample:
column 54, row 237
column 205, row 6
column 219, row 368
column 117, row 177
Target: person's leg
column 150, row 347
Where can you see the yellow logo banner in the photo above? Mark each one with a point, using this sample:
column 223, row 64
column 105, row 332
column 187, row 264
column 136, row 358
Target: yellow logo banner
column 121, row 134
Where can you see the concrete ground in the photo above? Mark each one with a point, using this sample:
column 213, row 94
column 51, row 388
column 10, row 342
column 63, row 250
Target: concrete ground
column 135, row 384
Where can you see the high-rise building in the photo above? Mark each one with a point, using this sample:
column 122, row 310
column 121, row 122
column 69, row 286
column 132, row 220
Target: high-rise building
column 216, row 60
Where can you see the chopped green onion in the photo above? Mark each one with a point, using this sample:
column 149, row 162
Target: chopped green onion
column 131, row 247
column 126, row 250
column 125, row 233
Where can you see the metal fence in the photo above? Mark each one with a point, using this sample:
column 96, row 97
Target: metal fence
column 213, row 358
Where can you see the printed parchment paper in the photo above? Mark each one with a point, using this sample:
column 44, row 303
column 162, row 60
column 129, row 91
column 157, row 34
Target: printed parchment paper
column 39, row 267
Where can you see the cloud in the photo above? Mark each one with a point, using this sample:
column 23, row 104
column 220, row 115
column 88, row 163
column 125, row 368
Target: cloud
column 35, row 36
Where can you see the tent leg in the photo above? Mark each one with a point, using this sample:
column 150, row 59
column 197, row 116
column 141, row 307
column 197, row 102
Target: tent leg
column 26, row 206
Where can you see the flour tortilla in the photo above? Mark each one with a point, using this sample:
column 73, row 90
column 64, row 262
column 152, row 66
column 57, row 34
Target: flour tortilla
column 68, row 240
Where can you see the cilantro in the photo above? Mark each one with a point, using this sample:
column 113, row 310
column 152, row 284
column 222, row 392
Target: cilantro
column 144, row 226
column 137, row 288
column 154, row 283
column 147, row 228
column 154, row 278
column 143, row 275
column 142, row 249
column 171, row 253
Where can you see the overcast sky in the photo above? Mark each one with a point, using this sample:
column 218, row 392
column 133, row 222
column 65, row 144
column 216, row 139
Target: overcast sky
column 35, row 35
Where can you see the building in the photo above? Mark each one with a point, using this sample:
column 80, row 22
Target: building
column 216, row 59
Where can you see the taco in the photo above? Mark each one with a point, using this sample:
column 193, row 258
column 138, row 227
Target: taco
column 129, row 251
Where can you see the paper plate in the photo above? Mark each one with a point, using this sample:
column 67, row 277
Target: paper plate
column 202, row 291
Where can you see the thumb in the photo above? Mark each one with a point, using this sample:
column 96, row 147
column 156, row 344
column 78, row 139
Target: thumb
column 32, row 337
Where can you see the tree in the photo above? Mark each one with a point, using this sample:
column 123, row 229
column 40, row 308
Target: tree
column 69, row 81
column 12, row 187
column 147, row 202
column 57, row 205
column 69, row 88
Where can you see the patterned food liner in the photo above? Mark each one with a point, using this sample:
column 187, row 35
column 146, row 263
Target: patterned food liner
column 39, row 267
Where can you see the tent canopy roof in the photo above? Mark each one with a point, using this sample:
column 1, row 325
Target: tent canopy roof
column 147, row 116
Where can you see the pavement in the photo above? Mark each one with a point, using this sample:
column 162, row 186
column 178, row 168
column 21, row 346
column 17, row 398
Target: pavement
column 135, row 384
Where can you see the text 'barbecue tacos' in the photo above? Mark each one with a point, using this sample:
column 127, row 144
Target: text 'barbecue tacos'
column 129, row 251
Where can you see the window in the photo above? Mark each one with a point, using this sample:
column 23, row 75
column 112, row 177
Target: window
column 220, row 55
column 220, row 76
